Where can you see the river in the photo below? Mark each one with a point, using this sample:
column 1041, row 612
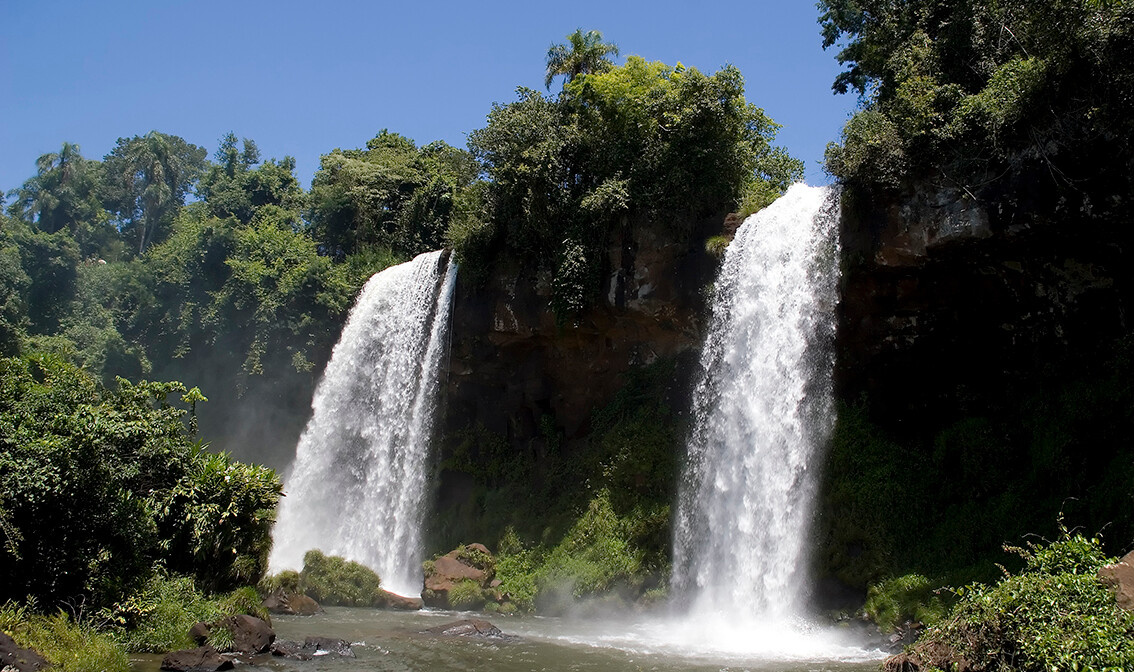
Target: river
column 391, row 641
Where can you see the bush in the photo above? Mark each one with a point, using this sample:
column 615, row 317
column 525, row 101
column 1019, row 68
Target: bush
column 334, row 581
column 157, row 618
column 70, row 646
column 902, row 599
column 1054, row 615
column 466, row 595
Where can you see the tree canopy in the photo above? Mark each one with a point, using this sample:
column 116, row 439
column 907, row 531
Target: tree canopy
column 583, row 53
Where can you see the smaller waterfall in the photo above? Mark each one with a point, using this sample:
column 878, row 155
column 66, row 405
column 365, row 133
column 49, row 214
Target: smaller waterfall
column 763, row 404
column 357, row 485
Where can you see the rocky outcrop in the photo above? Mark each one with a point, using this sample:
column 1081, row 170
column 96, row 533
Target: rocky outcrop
column 471, row 563
column 953, row 299
column 19, row 659
column 200, row 659
column 532, row 384
column 1119, row 577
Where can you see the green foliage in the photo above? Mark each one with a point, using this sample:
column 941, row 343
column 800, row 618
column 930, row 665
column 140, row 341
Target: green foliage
column 334, row 581
column 216, row 521
column 902, row 599
column 286, row 581
column 157, row 618
column 584, row 53
column 70, row 646
column 594, row 557
column 236, row 187
column 145, row 182
column 642, row 141
column 391, row 194
column 109, row 482
column 1053, row 615
column 466, row 595
column 516, row 567
column 966, row 90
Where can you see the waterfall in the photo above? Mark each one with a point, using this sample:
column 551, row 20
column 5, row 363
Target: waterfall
column 761, row 408
column 356, row 488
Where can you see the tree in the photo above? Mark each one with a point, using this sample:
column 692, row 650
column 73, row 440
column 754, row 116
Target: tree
column 391, row 194
column 64, row 195
column 235, row 186
column 147, row 178
column 584, row 53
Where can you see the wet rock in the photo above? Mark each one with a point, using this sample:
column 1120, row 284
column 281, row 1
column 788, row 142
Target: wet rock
column 401, row 603
column 469, row 627
column 249, row 634
column 291, row 604
column 1119, row 577
column 201, row 659
column 19, row 659
column 328, row 645
column 312, row 647
column 283, row 648
column 199, row 633
column 472, row 562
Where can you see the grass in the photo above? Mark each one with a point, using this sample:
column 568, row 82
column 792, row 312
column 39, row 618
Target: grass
column 69, row 645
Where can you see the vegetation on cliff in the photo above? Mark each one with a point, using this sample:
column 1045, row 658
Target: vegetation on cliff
column 964, row 93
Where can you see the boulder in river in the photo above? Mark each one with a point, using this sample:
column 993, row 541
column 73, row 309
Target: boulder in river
column 401, row 603
column 466, row 564
column 311, row 647
column 200, row 659
column 249, row 634
column 291, row 604
column 469, row 627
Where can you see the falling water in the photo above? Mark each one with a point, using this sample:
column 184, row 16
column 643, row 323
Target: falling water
column 357, row 484
column 762, row 407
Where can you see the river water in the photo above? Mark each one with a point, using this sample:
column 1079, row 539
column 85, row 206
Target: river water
column 392, row 641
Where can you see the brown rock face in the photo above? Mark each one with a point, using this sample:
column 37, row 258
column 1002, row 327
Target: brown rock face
column 18, row 658
column 1119, row 577
column 249, row 634
column 518, row 375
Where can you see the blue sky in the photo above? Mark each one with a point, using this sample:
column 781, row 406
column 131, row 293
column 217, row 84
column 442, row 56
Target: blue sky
column 303, row 78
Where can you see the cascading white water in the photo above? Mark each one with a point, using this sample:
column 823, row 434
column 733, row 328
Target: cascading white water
column 762, row 406
column 357, row 485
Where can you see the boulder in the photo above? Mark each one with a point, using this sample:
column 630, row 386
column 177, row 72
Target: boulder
column 472, row 562
column 468, row 627
column 328, row 645
column 1119, row 577
column 199, row 633
column 283, row 648
column 19, row 659
column 291, row 604
column 401, row 603
column 311, row 647
column 249, row 634
column 200, row 659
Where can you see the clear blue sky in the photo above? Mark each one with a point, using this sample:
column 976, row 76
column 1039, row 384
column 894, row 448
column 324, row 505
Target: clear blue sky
column 303, row 78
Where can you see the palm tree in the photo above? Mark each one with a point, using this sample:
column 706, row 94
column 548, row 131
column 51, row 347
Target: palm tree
column 584, row 53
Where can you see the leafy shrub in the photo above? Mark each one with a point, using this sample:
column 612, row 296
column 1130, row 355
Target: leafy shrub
column 896, row 601
column 1055, row 614
column 287, row 581
column 158, row 617
column 334, row 581
column 516, row 567
column 466, row 594
column 69, row 645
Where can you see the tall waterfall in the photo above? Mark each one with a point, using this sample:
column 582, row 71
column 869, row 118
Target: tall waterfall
column 356, row 488
column 762, row 406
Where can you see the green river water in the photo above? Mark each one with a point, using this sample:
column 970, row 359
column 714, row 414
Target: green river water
column 395, row 642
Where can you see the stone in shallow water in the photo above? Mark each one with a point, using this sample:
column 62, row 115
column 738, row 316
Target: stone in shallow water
column 200, row 659
column 469, row 627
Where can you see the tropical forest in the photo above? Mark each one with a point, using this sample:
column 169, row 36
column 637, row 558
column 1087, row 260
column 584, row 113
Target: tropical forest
column 607, row 386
